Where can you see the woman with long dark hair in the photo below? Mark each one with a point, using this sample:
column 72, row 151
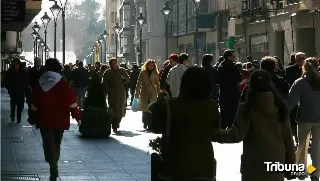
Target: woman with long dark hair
column 306, row 92
column 193, row 116
column 262, row 124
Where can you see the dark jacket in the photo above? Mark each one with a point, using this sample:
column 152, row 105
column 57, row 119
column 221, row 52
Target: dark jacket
column 16, row 82
column 134, row 74
column 34, row 75
column 228, row 78
column 163, row 79
column 213, row 73
column 80, row 77
column 293, row 73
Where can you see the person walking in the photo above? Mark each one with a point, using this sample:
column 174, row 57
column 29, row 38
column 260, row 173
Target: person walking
column 263, row 124
column 305, row 91
column 80, row 77
column 134, row 74
column 52, row 101
column 228, row 78
column 16, row 81
column 113, row 83
column 147, row 89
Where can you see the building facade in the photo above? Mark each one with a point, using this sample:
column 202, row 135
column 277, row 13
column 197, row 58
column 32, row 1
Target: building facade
column 212, row 28
column 276, row 28
column 111, row 15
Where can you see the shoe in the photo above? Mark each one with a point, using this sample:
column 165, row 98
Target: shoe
column 115, row 130
column 145, row 126
column 312, row 178
column 12, row 119
column 54, row 173
column 19, row 120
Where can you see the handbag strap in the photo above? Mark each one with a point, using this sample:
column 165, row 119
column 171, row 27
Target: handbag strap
column 150, row 81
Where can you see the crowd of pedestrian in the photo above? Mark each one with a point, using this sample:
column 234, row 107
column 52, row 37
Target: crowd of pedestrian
column 272, row 108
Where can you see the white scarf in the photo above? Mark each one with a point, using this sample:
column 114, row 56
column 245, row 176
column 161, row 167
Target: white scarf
column 48, row 80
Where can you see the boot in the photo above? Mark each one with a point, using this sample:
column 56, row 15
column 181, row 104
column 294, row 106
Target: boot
column 12, row 119
column 54, row 173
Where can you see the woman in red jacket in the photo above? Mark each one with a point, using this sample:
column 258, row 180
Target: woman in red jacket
column 52, row 101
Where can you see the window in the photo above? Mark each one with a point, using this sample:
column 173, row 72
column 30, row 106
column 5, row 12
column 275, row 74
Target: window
column 126, row 15
column 182, row 16
column 211, row 48
column 182, row 48
column 113, row 17
column 113, row 38
column 256, row 4
column 258, row 45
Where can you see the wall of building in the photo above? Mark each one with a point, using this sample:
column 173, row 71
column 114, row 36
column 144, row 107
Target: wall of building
column 157, row 39
column 111, row 6
column 286, row 44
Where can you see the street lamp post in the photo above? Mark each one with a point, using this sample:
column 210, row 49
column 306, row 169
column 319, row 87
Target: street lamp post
column 43, row 47
column 38, row 40
column 116, row 29
column 34, row 35
column 166, row 11
column 36, row 29
column 140, row 19
column 63, row 9
column 197, row 3
column 105, row 35
column 101, row 44
column 45, row 20
column 55, row 9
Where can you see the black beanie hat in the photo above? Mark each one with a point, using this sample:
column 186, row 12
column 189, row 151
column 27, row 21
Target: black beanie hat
column 260, row 81
column 53, row 65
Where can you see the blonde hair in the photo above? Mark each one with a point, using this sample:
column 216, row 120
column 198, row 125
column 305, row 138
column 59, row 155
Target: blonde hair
column 165, row 63
column 113, row 59
column 310, row 71
column 155, row 68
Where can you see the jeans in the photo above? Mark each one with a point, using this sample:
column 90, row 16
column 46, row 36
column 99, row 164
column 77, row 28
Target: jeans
column 81, row 95
column 16, row 102
column 51, row 140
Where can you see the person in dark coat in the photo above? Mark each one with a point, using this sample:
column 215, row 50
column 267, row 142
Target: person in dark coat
column 164, row 86
column 280, row 70
column 16, row 82
column 134, row 74
column 80, row 78
column 293, row 73
column 269, row 64
column 292, row 59
column 207, row 64
column 228, row 77
column 34, row 74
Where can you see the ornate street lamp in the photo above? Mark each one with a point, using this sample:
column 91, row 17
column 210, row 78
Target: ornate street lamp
column 63, row 10
column 45, row 20
column 36, row 27
column 166, row 11
column 55, row 9
column 101, row 44
column 116, row 29
column 140, row 19
column 105, row 35
column 34, row 35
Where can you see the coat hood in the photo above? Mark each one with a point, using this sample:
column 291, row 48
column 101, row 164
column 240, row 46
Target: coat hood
column 266, row 104
column 48, row 80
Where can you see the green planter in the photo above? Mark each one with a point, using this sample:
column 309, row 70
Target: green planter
column 96, row 122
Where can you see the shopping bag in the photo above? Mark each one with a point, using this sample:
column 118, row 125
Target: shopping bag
column 135, row 105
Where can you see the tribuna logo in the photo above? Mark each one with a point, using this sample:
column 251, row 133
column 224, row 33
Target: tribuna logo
column 294, row 169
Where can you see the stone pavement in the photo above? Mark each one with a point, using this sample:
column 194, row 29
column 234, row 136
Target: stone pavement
column 122, row 157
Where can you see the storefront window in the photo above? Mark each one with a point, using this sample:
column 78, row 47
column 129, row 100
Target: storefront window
column 258, row 46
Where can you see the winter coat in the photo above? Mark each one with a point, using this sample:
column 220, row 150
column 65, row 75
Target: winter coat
column 16, row 82
column 114, row 87
column 265, row 139
column 147, row 89
column 190, row 153
column 53, row 98
column 80, row 77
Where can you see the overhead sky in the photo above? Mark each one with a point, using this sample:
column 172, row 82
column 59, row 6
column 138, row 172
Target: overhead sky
column 46, row 4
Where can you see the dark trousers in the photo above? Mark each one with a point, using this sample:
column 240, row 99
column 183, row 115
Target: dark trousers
column 228, row 111
column 147, row 119
column 116, row 123
column 294, row 126
column 51, row 141
column 132, row 92
column 16, row 103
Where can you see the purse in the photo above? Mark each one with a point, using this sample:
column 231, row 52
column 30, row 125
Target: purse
column 151, row 85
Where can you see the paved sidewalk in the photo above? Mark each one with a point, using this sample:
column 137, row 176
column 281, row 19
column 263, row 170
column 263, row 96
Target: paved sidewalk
column 81, row 159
